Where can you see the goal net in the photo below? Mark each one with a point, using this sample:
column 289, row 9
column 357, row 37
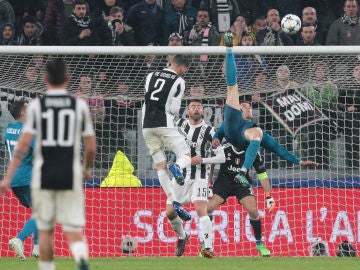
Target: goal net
column 306, row 98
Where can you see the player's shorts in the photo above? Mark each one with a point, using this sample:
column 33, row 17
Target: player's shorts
column 63, row 206
column 225, row 187
column 23, row 194
column 193, row 190
column 158, row 138
column 235, row 126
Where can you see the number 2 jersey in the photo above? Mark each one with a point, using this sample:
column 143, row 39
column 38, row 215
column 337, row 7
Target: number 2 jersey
column 163, row 93
column 58, row 121
column 22, row 176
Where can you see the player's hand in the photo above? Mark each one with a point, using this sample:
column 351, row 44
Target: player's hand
column 309, row 163
column 215, row 143
column 4, row 187
column 270, row 202
column 87, row 174
column 196, row 160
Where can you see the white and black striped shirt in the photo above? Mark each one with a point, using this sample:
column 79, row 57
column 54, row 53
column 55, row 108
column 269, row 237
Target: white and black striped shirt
column 58, row 121
column 164, row 91
column 199, row 138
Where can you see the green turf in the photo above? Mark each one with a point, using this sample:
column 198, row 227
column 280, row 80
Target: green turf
column 195, row 263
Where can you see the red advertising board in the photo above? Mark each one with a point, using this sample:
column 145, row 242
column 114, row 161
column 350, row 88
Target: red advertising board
column 302, row 217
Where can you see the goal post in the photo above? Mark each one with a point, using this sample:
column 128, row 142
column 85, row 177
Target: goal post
column 308, row 98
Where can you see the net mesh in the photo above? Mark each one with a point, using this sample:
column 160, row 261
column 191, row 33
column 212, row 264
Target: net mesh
column 308, row 102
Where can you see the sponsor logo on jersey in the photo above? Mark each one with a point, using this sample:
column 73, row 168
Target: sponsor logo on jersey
column 233, row 169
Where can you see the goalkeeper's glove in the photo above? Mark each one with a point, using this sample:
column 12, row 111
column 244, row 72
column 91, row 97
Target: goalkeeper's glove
column 270, row 202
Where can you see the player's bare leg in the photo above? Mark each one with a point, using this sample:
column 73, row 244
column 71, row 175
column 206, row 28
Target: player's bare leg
column 250, row 205
column 46, row 254
column 177, row 225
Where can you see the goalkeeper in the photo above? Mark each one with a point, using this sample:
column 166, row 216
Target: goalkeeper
column 226, row 185
column 238, row 127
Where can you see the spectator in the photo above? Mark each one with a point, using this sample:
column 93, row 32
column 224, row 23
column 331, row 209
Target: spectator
column 222, row 13
column 7, row 14
column 316, row 138
column 53, row 22
column 272, row 35
column 34, row 8
column 180, row 18
column 81, row 30
column 345, row 31
column 247, row 65
column 103, row 7
column 308, row 36
column 258, row 24
column 349, row 104
column 203, row 32
column 122, row 34
column 237, row 28
column 32, row 32
column 146, row 18
column 252, row 8
column 309, row 17
column 8, row 34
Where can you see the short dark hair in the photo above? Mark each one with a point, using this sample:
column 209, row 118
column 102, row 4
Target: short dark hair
column 195, row 100
column 56, row 71
column 79, row 2
column 29, row 19
column 181, row 60
column 16, row 108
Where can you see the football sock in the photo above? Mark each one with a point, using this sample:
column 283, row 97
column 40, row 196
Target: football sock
column 184, row 161
column 250, row 154
column 29, row 228
column 165, row 183
column 79, row 251
column 176, row 224
column 230, row 73
column 46, row 265
column 269, row 143
column 206, row 231
column 256, row 224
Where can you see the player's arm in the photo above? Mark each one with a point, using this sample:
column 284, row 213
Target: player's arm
column 260, row 169
column 177, row 92
column 20, row 150
column 88, row 135
column 217, row 159
column 218, row 136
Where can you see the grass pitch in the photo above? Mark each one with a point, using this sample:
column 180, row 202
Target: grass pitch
column 189, row 263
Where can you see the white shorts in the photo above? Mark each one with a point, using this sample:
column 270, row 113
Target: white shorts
column 193, row 190
column 64, row 206
column 158, row 138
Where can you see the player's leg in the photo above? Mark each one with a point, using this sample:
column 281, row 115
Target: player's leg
column 24, row 197
column 44, row 214
column 175, row 142
column 70, row 212
column 232, row 98
column 250, row 205
column 155, row 145
column 200, row 198
column 182, row 193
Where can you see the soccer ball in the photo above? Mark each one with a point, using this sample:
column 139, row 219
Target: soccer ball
column 290, row 24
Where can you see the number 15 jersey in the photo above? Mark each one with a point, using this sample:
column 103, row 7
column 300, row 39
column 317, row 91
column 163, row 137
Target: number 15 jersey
column 164, row 91
column 58, row 121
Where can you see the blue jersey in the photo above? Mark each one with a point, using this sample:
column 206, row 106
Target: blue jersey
column 22, row 176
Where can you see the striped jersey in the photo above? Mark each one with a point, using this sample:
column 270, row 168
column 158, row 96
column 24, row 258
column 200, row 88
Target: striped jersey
column 22, row 176
column 58, row 121
column 199, row 138
column 163, row 93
